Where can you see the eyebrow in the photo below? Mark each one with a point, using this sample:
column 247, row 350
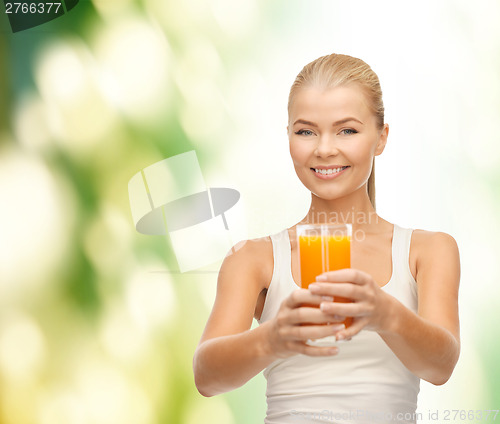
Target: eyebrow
column 340, row 122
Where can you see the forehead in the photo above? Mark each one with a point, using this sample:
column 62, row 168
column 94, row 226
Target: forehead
column 333, row 103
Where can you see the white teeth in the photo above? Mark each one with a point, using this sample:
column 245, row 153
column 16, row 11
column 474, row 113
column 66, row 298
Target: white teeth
column 328, row 171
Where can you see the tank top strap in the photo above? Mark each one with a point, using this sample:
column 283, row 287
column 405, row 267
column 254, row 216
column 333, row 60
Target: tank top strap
column 401, row 257
column 281, row 251
column 280, row 284
column 277, row 255
column 285, row 254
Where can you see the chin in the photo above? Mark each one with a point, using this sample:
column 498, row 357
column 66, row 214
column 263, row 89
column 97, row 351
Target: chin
column 327, row 196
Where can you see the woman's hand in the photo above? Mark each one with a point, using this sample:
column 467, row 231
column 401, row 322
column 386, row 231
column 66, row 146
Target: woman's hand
column 288, row 333
column 370, row 307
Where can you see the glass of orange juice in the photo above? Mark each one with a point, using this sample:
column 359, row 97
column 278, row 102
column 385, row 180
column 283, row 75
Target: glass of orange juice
column 322, row 248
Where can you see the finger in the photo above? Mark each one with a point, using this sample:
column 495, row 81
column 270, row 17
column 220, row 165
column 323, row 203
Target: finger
column 352, row 275
column 309, row 315
column 347, row 290
column 306, row 332
column 352, row 330
column 332, row 319
column 304, row 349
column 301, row 297
column 348, row 309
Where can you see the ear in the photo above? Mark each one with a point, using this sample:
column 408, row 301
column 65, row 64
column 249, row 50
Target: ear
column 382, row 141
column 287, row 130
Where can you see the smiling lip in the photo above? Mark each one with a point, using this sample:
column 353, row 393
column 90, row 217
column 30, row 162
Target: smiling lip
column 328, row 167
column 329, row 176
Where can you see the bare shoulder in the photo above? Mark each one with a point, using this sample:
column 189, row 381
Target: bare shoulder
column 431, row 248
column 432, row 241
column 253, row 257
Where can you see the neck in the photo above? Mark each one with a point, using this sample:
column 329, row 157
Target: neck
column 355, row 209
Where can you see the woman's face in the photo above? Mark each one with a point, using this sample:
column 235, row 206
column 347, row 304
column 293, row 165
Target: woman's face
column 333, row 139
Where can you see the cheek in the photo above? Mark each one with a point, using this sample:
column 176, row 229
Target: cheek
column 298, row 152
column 360, row 154
column 361, row 158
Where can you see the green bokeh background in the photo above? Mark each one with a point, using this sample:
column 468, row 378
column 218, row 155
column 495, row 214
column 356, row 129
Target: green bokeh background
column 96, row 323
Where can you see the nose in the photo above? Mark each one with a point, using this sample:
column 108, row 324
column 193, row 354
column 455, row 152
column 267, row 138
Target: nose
column 326, row 146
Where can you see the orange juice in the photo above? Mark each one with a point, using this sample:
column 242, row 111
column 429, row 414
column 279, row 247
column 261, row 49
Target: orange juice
column 311, row 259
column 323, row 252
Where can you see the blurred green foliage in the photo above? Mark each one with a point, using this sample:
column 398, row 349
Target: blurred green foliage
column 96, row 351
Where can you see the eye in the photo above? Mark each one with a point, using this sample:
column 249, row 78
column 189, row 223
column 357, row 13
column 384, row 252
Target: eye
column 304, row 132
column 349, row 131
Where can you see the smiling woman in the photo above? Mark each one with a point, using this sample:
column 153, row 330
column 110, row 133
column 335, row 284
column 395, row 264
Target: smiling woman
column 403, row 283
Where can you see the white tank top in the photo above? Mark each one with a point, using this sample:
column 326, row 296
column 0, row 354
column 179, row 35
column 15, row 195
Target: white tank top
column 365, row 382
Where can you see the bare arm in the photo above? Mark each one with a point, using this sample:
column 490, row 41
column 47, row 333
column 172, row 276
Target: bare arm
column 427, row 342
column 227, row 362
column 230, row 353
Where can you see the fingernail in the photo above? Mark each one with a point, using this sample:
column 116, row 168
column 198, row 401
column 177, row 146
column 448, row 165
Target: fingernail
column 338, row 327
column 324, row 306
column 340, row 336
column 321, row 278
column 333, row 351
column 327, row 298
column 314, row 287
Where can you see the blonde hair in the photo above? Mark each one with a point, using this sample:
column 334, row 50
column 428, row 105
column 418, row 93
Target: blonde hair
column 337, row 70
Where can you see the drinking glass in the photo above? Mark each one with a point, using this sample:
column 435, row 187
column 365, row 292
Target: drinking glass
column 322, row 248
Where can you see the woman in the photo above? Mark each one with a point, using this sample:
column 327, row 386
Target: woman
column 403, row 282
